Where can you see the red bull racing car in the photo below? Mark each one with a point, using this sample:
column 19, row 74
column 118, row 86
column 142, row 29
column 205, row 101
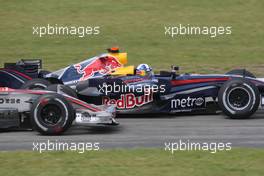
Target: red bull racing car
column 105, row 80
column 17, row 75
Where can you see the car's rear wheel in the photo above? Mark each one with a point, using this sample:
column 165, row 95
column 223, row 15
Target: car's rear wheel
column 239, row 98
column 42, row 73
column 52, row 114
column 36, row 84
column 62, row 88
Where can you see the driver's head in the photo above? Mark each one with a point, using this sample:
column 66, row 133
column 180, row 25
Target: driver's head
column 143, row 69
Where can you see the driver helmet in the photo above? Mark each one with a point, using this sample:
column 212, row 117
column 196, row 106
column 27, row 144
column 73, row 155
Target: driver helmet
column 144, row 69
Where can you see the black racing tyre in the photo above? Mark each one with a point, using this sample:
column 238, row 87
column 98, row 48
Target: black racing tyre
column 62, row 88
column 42, row 73
column 238, row 98
column 51, row 114
column 241, row 72
column 36, row 84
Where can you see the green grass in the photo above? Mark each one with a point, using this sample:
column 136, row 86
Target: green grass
column 138, row 28
column 142, row 162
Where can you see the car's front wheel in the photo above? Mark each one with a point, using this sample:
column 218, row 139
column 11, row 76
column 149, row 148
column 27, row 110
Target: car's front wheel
column 241, row 72
column 239, row 98
column 52, row 114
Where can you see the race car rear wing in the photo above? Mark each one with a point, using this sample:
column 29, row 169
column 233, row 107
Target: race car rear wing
column 26, row 62
column 30, row 67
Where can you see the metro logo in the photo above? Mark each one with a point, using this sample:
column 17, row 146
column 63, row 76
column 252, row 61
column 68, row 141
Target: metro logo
column 187, row 102
column 129, row 101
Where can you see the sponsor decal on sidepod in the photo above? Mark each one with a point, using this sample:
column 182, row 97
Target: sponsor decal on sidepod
column 102, row 65
column 187, row 102
column 129, row 101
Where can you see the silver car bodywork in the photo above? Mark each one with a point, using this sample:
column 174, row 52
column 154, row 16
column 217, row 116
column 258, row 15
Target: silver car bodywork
column 15, row 105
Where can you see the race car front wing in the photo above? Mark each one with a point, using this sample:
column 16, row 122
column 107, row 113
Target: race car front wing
column 87, row 118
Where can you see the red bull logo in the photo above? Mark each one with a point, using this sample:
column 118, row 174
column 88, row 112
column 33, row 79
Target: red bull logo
column 103, row 65
column 129, row 101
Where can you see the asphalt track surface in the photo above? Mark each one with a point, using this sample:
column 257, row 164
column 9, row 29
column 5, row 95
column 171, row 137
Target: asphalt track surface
column 151, row 131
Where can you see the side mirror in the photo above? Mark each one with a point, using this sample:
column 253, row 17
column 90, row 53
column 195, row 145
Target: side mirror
column 175, row 68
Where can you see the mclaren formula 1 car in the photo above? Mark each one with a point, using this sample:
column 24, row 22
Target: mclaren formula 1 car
column 48, row 112
column 105, row 80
